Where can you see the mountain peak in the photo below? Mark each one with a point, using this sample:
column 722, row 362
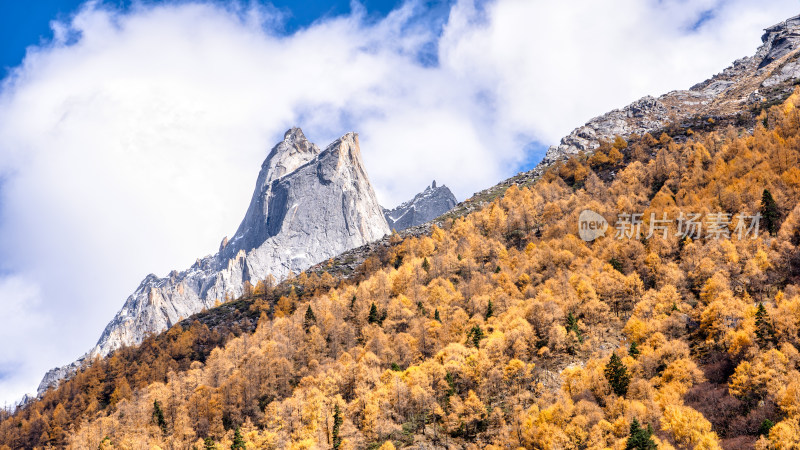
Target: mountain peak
column 308, row 206
column 424, row 207
column 294, row 134
column 343, row 152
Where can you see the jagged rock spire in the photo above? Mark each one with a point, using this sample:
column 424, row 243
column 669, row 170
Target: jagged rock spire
column 308, row 205
column 424, row 207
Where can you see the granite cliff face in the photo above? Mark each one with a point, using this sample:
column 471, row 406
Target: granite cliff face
column 309, row 205
column 765, row 76
column 424, row 207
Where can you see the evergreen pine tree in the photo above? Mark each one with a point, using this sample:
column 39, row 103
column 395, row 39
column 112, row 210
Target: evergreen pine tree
column 489, row 309
column 572, row 325
column 309, row 319
column 765, row 334
column 617, row 375
column 476, row 335
column 769, row 212
column 640, row 438
column 158, row 416
column 436, row 315
column 373, row 314
column 337, row 424
column 633, row 350
column 766, row 425
column 426, row 266
column 238, row 440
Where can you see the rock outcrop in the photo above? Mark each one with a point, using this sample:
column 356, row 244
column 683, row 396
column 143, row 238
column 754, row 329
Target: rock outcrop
column 765, row 76
column 309, row 205
column 424, row 207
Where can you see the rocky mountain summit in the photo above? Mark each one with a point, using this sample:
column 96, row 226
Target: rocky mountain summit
column 309, row 205
column 424, row 207
column 767, row 76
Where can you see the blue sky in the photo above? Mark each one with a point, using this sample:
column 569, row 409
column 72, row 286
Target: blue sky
column 131, row 137
column 25, row 23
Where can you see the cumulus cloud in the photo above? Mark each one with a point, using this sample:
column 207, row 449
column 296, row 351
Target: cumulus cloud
column 131, row 142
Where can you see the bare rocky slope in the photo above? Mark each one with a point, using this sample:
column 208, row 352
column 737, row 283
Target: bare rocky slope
column 309, row 205
column 767, row 76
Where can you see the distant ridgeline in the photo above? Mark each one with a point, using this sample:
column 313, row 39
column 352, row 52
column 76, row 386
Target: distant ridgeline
column 424, row 207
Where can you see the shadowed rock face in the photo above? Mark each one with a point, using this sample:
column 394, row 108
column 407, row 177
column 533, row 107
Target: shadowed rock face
column 424, row 207
column 309, row 205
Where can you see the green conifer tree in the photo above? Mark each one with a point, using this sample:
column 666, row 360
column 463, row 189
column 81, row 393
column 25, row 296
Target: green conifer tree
column 238, row 440
column 640, row 438
column 572, row 325
column 766, row 425
column 769, row 212
column 373, row 314
column 765, row 334
column 475, row 335
column 633, row 350
column 426, row 266
column 617, row 375
column 158, row 416
column 309, row 319
column 337, row 424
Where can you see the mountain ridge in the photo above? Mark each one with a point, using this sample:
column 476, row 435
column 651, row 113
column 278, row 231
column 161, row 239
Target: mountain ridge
column 770, row 69
column 308, row 205
column 780, row 49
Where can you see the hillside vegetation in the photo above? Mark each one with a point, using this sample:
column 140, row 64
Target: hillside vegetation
column 501, row 329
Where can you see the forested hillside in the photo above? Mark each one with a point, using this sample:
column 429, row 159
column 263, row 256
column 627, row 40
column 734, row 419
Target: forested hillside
column 502, row 329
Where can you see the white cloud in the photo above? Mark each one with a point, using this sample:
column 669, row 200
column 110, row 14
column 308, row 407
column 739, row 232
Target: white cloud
column 553, row 65
column 131, row 143
column 24, row 325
